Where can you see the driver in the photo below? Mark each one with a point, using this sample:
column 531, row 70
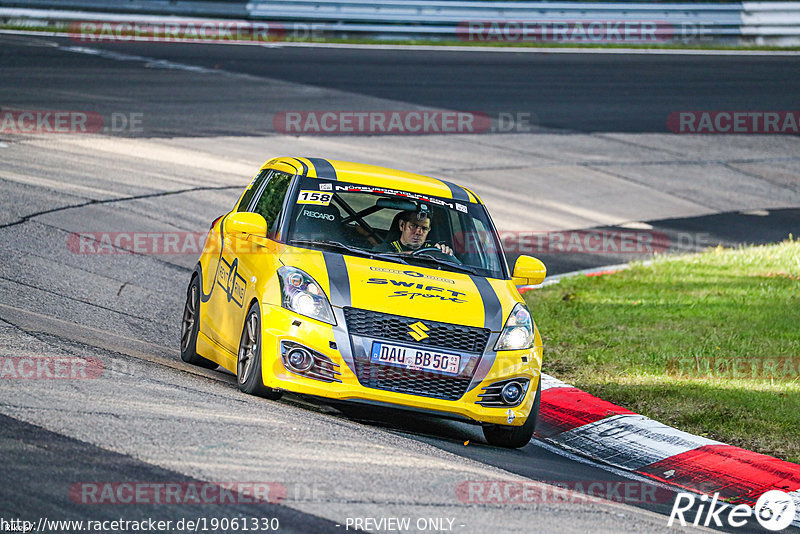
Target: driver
column 414, row 229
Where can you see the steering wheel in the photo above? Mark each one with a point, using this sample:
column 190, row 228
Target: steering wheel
column 436, row 250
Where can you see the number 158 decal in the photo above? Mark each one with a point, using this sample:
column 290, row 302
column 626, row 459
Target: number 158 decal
column 314, row 197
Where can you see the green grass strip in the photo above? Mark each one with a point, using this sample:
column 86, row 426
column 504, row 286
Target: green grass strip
column 708, row 343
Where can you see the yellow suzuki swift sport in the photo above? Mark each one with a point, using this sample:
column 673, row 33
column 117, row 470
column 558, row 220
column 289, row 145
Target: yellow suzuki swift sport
column 366, row 284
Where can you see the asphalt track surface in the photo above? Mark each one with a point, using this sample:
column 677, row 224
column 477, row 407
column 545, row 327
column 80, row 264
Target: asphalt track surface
column 571, row 93
column 151, row 418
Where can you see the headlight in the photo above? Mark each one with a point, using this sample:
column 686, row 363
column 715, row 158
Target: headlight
column 302, row 295
column 517, row 334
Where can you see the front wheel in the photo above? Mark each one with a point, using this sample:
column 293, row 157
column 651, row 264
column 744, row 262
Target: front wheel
column 514, row 437
column 248, row 362
column 190, row 326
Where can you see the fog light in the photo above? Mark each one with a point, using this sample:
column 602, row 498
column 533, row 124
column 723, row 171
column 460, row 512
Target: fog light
column 512, row 393
column 299, row 360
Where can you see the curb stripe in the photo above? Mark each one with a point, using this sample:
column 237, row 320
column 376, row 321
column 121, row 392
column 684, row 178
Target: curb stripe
column 646, row 447
column 630, row 441
column 565, row 408
column 549, row 382
column 737, row 474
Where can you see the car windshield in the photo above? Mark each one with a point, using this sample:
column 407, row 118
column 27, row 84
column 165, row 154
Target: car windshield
column 365, row 220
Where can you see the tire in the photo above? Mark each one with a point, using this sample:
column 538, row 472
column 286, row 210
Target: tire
column 248, row 359
column 190, row 325
column 514, row 437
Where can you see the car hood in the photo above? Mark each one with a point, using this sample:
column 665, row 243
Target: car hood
column 407, row 290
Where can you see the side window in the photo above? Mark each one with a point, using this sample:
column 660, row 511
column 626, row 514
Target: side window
column 271, row 200
column 255, row 185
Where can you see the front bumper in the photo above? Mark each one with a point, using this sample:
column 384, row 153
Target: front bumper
column 350, row 353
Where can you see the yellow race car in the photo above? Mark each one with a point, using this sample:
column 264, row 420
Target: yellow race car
column 360, row 283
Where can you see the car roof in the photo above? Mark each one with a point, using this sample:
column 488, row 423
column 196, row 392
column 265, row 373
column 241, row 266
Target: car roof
column 364, row 174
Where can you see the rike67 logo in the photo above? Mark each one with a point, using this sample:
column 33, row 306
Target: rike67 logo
column 774, row 510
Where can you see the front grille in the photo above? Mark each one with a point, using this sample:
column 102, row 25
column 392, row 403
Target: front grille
column 384, row 326
column 396, row 327
column 401, row 380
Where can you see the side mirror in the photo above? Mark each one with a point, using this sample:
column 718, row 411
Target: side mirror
column 528, row 271
column 245, row 222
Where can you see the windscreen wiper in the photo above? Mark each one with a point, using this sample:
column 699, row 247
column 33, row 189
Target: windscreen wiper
column 425, row 258
column 336, row 245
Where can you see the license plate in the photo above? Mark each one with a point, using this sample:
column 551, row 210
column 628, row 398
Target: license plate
column 415, row 358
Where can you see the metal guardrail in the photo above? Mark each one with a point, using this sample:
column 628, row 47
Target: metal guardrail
column 764, row 23
column 440, row 11
column 200, row 8
column 771, row 23
column 451, row 19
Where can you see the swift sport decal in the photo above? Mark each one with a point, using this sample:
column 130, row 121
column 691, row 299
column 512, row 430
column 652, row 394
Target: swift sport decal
column 231, row 282
column 425, row 291
column 414, row 294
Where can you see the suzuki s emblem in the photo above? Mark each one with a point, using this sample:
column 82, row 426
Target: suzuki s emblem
column 418, row 331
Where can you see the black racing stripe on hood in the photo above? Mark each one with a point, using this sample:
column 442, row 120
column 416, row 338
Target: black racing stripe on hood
column 324, row 168
column 340, row 281
column 458, row 192
column 493, row 310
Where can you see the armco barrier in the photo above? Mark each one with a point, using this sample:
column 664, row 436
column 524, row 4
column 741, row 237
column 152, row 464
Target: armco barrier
column 771, row 23
column 199, row 8
column 761, row 23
